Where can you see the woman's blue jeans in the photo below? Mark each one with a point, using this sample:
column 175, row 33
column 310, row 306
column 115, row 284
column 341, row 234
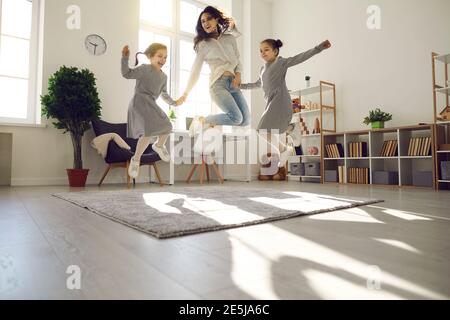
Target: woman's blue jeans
column 231, row 101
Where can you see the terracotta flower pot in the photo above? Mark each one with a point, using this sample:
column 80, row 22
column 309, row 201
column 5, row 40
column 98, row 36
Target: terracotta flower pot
column 77, row 177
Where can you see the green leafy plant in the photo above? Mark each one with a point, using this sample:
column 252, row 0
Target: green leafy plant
column 377, row 116
column 172, row 115
column 72, row 100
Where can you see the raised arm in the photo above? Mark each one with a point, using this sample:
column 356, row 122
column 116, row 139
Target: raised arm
column 295, row 60
column 166, row 97
column 195, row 72
column 128, row 73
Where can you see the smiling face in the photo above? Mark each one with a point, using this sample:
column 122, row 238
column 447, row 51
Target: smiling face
column 268, row 54
column 209, row 23
column 159, row 59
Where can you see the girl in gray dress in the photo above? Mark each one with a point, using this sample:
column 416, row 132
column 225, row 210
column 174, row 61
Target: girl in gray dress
column 145, row 118
column 278, row 114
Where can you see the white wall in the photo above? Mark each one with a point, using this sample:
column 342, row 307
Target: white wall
column 389, row 68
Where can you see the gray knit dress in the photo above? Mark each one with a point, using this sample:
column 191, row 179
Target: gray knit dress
column 145, row 117
column 272, row 80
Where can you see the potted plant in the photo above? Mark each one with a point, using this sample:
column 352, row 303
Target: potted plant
column 72, row 100
column 377, row 118
column 172, row 116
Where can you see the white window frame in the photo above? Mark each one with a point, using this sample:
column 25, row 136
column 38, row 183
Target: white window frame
column 176, row 35
column 35, row 67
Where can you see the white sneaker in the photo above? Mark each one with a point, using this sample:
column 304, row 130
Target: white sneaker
column 133, row 169
column 162, row 152
column 290, row 151
column 296, row 135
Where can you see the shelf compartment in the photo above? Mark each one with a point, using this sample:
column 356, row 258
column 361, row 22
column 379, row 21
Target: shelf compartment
column 445, row 58
column 413, row 172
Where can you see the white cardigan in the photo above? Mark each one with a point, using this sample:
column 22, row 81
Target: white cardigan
column 221, row 54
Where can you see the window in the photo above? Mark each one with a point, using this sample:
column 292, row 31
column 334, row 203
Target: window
column 19, row 90
column 172, row 22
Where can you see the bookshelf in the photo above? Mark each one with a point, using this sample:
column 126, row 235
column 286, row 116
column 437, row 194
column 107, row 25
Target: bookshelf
column 441, row 115
column 381, row 157
column 323, row 97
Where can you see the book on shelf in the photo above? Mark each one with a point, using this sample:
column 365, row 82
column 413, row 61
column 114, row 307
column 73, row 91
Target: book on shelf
column 389, row 149
column 419, row 146
column 357, row 149
column 334, row 150
column 358, row 175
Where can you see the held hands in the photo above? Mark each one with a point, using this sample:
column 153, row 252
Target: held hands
column 126, row 52
column 236, row 81
column 325, row 45
column 181, row 100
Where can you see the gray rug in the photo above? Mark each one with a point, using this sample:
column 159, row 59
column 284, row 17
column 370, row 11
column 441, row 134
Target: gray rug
column 173, row 212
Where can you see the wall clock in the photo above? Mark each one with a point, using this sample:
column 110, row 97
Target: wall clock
column 95, row 44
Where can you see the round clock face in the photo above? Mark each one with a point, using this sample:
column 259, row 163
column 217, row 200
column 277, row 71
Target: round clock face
column 95, row 44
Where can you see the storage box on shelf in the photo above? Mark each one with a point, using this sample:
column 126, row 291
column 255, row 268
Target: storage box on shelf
column 382, row 156
column 441, row 115
column 316, row 118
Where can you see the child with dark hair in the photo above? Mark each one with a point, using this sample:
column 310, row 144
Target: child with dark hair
column 272, row 80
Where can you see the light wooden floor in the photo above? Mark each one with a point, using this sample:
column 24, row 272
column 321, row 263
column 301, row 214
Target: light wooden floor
column 327, row 256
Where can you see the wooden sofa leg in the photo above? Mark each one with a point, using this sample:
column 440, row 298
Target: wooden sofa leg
column 158, row 176
column 104, row 175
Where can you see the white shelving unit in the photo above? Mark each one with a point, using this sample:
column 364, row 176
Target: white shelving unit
column 403, row 164
column 441, row 94
column 326, row 111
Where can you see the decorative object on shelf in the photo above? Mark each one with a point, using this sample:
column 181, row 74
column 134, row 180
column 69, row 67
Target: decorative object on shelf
column 272, row 161
column 316, row 126
column 308, row 81
column 313, row 151
column 303, row 127
column 315, row 106
column 73, row 101
column 445, row 114
column 377, row 118
column 296, row 107
column 308, row 105
column 298, row 151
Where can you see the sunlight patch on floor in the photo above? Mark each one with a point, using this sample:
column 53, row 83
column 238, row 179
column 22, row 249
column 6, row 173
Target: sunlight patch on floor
column 329, row 286
column 268, row 246
column 398, row 244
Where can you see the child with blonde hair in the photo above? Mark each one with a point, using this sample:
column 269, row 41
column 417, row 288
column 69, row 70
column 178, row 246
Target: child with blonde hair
column 145, row 118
